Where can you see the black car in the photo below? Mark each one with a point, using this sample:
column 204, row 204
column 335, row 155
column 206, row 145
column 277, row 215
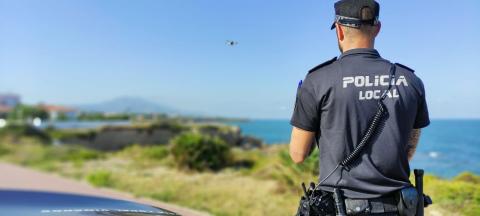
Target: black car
column 36, row 203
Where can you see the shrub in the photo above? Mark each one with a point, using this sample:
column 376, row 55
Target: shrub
column 200, row 152
column 100, row 178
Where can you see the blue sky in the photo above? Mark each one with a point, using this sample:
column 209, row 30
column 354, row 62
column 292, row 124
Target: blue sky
column 173, row 51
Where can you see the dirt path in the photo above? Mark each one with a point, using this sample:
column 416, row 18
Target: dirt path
column 16, row 177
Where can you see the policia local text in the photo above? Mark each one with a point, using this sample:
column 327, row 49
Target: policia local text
column 368, row 81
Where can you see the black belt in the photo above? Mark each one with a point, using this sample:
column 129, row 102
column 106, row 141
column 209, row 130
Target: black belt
column 375, row 206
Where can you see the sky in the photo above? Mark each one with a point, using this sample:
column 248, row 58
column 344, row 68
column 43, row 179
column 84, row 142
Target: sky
column 173, row 52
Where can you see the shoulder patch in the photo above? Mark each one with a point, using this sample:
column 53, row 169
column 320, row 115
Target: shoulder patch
column 403, row 66
column 322, row 65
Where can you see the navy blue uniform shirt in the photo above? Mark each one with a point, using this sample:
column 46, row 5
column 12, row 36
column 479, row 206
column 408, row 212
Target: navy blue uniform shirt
column 338, row 100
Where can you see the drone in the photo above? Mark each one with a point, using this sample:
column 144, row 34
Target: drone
column 231, row 43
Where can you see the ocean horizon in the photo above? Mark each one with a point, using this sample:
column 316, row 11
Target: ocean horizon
column 447, row 147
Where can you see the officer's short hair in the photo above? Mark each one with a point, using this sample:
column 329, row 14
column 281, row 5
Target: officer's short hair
column 366, row 14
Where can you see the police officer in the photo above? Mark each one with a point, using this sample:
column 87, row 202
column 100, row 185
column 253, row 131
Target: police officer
column 335, row 104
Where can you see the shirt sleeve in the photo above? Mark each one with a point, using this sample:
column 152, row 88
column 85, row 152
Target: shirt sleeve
column 305, row 114
column 422, row 118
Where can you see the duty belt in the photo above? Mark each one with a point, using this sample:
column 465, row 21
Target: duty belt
column 380, row 205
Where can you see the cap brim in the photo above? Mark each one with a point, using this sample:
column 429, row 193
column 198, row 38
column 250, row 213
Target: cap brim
column 333, row 26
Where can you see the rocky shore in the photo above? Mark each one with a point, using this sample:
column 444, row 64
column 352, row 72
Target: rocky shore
column 112, row 138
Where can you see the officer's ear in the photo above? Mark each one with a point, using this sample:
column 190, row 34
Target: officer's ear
column 340, row 32
column 377, row 29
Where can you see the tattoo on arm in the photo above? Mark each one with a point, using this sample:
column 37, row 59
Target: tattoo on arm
column 413, row 142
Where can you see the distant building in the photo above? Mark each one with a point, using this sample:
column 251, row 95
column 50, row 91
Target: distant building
column 7, row 103
column 4, row 110
column 9, row 100
column 56, row 112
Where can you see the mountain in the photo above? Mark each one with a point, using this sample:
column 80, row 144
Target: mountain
column 127, row 105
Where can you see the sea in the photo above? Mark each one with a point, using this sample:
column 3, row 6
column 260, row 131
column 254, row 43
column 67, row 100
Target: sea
column 446, row 147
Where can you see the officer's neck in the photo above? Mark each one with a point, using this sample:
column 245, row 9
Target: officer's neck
column 369, row 44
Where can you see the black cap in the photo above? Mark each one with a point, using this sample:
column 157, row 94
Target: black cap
column 349, row 13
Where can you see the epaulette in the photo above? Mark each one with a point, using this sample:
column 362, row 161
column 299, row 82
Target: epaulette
column 322, row 65
column 403, row 66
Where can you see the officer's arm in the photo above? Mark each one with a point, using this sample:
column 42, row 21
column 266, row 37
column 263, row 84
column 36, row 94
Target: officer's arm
column 413, row 142
column 300, row 144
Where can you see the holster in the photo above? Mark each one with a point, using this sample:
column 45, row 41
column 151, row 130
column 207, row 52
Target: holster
column 407, row 201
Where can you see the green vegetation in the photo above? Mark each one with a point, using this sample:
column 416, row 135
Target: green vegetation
column 145, row 153
column 468, row 177
column 22, row 112
column 3, row 150
column 18, row 131
column 460, row 195
column 100, row 178
column 156, row 152
column 200, row 152
column 32, row 152
column 251, row 182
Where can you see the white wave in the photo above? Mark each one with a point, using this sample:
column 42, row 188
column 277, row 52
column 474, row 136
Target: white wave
column 433, row 154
